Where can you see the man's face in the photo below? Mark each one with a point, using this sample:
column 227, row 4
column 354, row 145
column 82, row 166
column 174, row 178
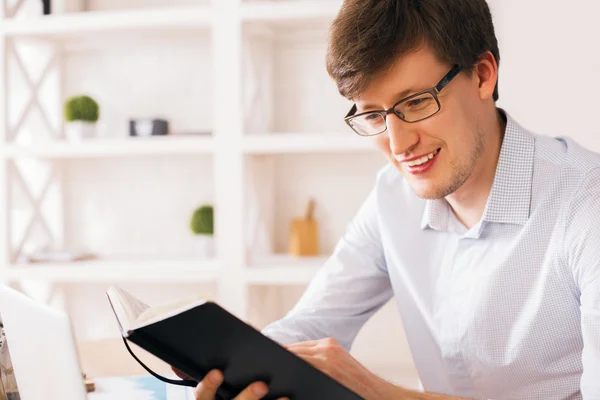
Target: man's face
column 451, row 141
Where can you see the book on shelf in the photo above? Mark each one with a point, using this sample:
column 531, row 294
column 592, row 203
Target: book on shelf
column 195, row 335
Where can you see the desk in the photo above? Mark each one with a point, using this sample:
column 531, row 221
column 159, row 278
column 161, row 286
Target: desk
column 139, row 387
column 117, row 376
column 104, row 358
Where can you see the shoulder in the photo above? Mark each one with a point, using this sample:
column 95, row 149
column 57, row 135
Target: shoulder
column 388, row 174
column 584, row 198
column 574, row 173
column 563, row 171
column 394, row 196
column 566, row 186
column 565, row 159
column 391, row 183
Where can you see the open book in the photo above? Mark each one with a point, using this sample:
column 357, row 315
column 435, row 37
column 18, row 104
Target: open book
column 133, row 314
column 195, row 336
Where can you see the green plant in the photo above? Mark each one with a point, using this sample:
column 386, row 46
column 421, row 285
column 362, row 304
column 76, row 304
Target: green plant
column 81, row 108
column 202, row 222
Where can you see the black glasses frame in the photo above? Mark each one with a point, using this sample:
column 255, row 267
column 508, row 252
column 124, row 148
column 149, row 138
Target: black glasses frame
column 392, row 110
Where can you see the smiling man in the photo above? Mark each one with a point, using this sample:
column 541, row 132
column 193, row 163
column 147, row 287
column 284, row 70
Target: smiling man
column 487, row 235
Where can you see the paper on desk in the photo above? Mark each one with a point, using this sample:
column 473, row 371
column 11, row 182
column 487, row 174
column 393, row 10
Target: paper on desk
column 139, row 388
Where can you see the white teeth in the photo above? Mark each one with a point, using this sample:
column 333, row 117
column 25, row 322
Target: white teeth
column 422, row 160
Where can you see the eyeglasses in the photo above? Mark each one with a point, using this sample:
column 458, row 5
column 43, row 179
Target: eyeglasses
column 413, row 108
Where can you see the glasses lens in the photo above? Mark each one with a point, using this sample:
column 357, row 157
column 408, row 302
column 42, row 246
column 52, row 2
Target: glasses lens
column 417, row 108
column 368, row 124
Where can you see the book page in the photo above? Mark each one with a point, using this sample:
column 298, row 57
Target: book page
column 131, row 306
column 165, row 311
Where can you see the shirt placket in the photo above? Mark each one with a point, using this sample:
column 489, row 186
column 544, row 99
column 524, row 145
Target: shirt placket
column 456, row 319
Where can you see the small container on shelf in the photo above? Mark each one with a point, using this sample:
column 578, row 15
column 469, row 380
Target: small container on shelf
column 144, row 127
column 304, row 237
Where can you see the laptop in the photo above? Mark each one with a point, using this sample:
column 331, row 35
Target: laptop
column 42, row 349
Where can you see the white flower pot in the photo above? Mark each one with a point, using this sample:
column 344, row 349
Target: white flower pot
column 80, row 130
column 206, row 246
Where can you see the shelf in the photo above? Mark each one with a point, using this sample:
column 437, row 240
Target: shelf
column 124, row 269
column 181, row 18
column 276, row 143
column 275, row 270
column 294, row 10
column 163, row 145
column 50, row 26
column 283, row 270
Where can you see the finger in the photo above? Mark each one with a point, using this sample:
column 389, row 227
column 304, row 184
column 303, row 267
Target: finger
column 207, row 388
column 310, row 343
column 181, row 374
column 316, row 362
column 308, row 351
column 319, row 363
column 253, row 392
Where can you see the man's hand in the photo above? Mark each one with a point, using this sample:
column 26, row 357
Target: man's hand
column 207, row 389
column 331, row 358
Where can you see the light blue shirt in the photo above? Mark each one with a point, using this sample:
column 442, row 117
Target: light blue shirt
column 507, row 309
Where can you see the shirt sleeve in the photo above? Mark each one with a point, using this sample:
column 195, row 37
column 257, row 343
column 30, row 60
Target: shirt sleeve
column 348, row 289
column 583, row 253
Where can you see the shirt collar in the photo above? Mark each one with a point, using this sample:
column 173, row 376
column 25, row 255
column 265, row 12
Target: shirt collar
column 510, row 197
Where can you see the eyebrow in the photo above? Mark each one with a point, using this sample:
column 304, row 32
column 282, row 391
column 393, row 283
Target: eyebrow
column 398, row 96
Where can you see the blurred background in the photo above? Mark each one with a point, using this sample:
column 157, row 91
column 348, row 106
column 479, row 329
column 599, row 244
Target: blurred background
column 178, row 147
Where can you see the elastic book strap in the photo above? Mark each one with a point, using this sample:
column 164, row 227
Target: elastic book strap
column 183, row 382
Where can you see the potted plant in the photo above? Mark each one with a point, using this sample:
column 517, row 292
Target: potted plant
column 202, row 225
column 81, row 115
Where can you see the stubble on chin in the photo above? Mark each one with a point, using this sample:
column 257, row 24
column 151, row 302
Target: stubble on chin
column 447, row 185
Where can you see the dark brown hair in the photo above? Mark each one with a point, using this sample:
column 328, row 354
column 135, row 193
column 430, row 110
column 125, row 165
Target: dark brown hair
column 368, row 36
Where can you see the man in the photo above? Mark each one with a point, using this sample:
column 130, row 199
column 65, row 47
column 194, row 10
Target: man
column 486, row 234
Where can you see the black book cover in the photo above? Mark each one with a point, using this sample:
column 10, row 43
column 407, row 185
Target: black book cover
column 207, row 336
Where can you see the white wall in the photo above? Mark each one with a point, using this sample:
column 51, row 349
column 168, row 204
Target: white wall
column 549, row 67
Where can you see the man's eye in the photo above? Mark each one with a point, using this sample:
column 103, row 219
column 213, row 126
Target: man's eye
column 417, row 102
column 372, row 117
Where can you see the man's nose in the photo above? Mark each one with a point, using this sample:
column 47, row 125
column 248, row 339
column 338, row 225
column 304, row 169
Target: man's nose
column 402, row 138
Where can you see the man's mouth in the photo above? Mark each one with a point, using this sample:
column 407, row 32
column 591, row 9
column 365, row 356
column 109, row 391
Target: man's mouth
column 422, row 164
column 423, row 160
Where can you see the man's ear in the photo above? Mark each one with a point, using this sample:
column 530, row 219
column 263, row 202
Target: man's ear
column 486, row 73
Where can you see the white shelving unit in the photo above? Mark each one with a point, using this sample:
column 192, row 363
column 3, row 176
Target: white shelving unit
column 118, row 270
column 111, row 148
column 227, row 22
column 283, row 270
column 275, row 270
column 70, row 26
column 281, row 143
column 296, row 10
